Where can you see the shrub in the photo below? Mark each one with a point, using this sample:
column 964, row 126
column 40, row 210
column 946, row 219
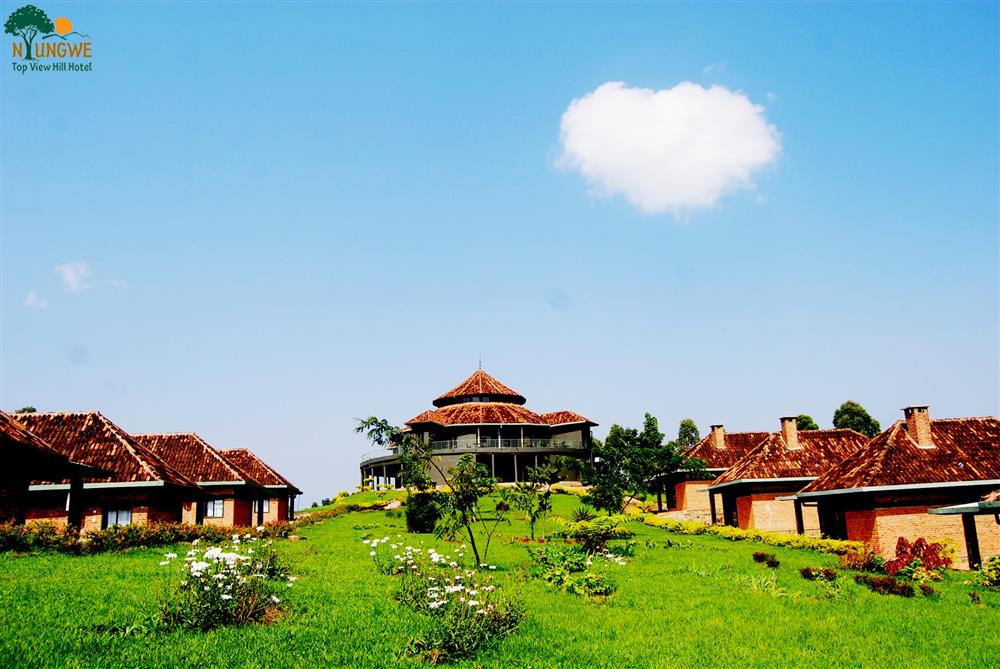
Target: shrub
column 422, row 512
column 772, row 562
column 918, row 561
column 928, row 590
column 466, row 610
column 575, row 490
column 594, row 535
column 225, row 587
column 884, row 585
column 760, row 556
column 569, row 568
column 736, row 534
column 989, row 573
column 862, row 559
column 814, row 574
column 583, row 513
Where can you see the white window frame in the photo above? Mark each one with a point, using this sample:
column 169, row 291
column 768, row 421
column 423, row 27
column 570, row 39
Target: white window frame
column 215, row 508
column 120, row 517
column 267, row 505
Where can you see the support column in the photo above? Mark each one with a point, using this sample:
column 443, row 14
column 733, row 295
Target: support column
column 260, row 511
column 711, row 506
column 75, row 506
column 799, row 524
column 385, row 475
column 515, row 467
column 493, row 465
column 971, row 540
column 22, row 503
column 291, row 507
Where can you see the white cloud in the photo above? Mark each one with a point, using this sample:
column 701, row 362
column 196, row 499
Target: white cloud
column 76, row 275
column 35, row 301
column 669, row 150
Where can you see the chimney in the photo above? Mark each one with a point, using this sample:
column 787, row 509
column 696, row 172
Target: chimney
column 718, row 437
column 790, row 431
column 918, row 424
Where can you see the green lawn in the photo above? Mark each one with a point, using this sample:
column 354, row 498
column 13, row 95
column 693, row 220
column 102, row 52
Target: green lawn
column 688, row 606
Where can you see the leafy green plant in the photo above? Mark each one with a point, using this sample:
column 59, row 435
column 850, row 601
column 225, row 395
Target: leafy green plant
column 533, row 496
column 583, row 513
column 594, row 535
column 815, row 574
column 989, row 574
column 834, row 546
column 422, row 512
column 884, row 585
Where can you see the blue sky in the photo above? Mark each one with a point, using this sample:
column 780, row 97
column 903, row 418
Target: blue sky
column 296, row 215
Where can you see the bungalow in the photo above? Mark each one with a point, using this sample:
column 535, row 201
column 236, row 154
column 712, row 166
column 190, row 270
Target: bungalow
column 884, row 491
column 236, row 492
column 755, row 490
column 26, row 457
column 142, row 487
column 687, row 495
column 280, row 503
column 990, row 504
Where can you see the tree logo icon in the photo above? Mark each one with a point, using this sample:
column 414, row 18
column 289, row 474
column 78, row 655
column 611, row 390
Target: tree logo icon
column 28, row 23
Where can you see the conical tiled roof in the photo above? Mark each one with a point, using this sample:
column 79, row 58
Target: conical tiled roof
column 478, row 385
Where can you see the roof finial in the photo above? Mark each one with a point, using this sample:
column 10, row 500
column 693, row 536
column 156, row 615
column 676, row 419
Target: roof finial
column 480, row 360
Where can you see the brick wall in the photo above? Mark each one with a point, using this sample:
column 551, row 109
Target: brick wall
column 277, row 510
column 881, row 528
column 764, row 511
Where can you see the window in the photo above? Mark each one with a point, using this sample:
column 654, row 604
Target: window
column 267, row 505
column 215, row 508
column 114, row 517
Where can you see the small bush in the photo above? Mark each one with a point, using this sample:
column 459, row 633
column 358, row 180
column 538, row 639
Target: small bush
column 760, row 557
column 583, row 513
column 989, row 573
column 884, row 585
column 813, row 574
column 834, row 546
column 928, row 590
column 422, row 512
column 862, row 559
column 575, row 490
column 594, row 535
column 919, row 561
column 230, row 586
column 772, row 562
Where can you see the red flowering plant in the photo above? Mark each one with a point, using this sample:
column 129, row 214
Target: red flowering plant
column 919, row 561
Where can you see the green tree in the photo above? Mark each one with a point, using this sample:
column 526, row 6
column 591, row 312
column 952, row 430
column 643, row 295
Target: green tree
column 806, row 422
column 469, row 483
column 533, row 496
column 27, row 409
column 629, row 461
column 27, row 22
column 687, row 434
column 853, row 416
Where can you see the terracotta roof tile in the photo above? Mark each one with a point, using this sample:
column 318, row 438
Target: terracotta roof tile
column 738, row 445
column 565, row 418
column 992, row 497
column 12, row 430
column 965, row 449
column 480, row 383
column 263, row 473
column 818, row 451
column 92, row 439
column 480, row 413
column 192, row 456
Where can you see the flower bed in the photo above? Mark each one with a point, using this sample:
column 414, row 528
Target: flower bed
column 834, row 546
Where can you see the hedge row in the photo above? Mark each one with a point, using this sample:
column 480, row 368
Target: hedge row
column 834, row 546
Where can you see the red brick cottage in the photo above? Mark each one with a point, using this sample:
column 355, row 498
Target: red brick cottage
column 884, row 491
column 756, row 491
column 26, row 457
column 279, row 504
column 142, row 487
column 688, row 495
column 236, row 493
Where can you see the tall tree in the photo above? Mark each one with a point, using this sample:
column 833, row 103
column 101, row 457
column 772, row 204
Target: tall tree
column 27, row 409
column 27, row 23
column 687, row 434
column 806, row 422
column 852, row 415
column 629, row 461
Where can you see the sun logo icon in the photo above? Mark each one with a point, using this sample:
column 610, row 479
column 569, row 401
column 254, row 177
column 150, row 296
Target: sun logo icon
column 62, row 25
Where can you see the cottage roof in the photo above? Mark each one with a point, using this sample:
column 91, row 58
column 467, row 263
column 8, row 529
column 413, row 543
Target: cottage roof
column 737, row 446
column 90, row 438
column 480, row 413
column 565, row 418
column 194, row 457
column 12, row 431
column 964, row 450
column 247, row 461
column 478, row 385
column 817, row 451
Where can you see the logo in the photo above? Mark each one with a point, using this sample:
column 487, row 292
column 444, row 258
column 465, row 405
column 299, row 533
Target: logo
column 46, row 45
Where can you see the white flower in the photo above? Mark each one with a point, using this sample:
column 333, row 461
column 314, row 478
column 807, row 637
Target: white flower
column 293, row 578
column 170, row 556
column 196, row 542
column 366, row 542
column 165, row 562
column 493, row 567
column 473, row 602
column 227, row 596
column 290, row 584
column 260, row 528
column 372, row 553
column 275, row 600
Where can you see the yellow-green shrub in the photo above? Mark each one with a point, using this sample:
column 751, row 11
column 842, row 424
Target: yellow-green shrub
column 834, row 546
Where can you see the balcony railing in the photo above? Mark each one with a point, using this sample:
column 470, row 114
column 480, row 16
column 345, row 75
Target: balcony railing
column 482, row 444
